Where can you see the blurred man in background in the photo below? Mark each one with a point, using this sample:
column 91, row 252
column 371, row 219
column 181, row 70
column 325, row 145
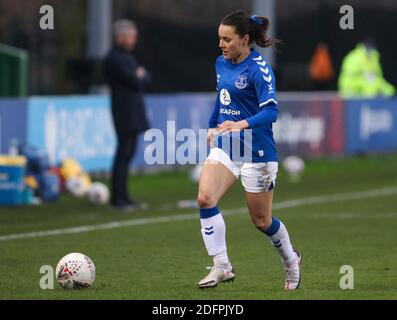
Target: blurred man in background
column 361, row 74
column 126, row 79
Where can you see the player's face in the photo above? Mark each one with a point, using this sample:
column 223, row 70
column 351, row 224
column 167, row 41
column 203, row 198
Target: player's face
column 231, row 44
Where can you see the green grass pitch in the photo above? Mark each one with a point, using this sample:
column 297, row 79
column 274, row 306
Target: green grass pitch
column 164, row 260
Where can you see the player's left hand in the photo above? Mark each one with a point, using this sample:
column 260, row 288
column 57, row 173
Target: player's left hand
column 230, row 126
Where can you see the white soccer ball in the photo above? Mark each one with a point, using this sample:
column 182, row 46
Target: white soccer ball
column 196, row 172
column 98, row 193
column 76, row 187
column 75, row 271
column 294, row 166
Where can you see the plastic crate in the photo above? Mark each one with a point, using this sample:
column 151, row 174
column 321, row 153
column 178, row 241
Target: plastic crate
column 12, row 171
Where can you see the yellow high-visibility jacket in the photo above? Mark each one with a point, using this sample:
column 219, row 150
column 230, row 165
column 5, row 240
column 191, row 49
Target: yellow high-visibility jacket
column 361, row 75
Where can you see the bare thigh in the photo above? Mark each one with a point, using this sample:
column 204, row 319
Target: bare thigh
column 215, row 180
column 260, row 209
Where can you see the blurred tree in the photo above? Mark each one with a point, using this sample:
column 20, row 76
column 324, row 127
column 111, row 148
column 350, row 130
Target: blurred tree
column 48, row 49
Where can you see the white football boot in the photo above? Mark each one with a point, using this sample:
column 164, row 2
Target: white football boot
column 292, row 273
column 216, row 275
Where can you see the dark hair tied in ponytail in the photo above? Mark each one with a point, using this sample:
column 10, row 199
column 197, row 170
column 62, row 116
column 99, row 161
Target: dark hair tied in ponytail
column 255, row 26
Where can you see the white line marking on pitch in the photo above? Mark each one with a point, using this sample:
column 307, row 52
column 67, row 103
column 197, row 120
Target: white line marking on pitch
column 182, row 217
column 354, row 215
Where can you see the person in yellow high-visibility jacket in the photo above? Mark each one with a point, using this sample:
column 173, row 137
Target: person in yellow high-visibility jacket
column 361, row 74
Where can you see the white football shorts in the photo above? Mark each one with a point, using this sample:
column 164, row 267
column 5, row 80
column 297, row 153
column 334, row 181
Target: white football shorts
column 255, row 177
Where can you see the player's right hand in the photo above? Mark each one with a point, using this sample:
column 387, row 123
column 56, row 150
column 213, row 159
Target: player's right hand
column 210, row 137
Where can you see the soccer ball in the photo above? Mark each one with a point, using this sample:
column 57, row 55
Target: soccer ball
column 75, row 271
column 294, row 166
column 98, row 193
column 196, row 172
column 76, row 186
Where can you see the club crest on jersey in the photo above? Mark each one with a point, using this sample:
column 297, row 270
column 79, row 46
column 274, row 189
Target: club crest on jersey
column 241, row 82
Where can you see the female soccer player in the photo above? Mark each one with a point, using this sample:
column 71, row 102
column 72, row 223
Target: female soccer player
column 246, row 101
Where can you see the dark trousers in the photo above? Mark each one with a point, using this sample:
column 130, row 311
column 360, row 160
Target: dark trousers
column 126, row 146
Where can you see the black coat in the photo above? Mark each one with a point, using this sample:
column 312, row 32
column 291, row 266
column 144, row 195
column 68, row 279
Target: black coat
column 128, row 109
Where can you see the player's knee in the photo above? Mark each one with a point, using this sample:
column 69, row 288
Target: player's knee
column 262, row 224
column 205, row 200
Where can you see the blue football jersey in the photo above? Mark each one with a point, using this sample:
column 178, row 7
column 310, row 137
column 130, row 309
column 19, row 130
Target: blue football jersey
column 244, row 89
